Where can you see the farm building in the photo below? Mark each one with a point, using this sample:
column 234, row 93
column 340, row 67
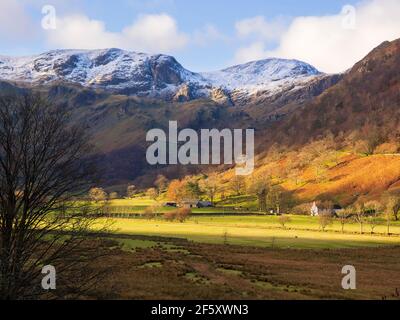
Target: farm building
column 171, row 204
column 333, row 211
column 196, row 204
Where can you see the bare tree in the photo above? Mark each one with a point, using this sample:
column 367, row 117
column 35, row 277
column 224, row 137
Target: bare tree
column 260, row 186
column 393, row 205
column 43, row 172
column 373, row 139
column 373, row 208
column 343, row 216
column 284, row 220
column 274, row 199
column 237, row 185
column 324, row 219
column 360, row 215
column 161, row 183
column 279, row 199
column 373, row 222
column 152, row 193
column 388, row 214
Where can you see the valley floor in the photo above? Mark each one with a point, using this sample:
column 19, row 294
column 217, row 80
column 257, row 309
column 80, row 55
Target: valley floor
column 261, row 231
column 245, row 257
column 162, row 268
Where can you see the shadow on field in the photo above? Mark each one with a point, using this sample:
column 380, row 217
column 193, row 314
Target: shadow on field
column 143, row 267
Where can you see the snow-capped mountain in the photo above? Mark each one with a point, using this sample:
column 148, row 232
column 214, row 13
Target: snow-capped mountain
column 261, row 74
column 112, row 69
column 265, row 78
column 158, row 76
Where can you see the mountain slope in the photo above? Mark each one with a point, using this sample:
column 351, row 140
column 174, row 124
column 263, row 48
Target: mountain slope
column 262, row 75
column 317, row 127
column 111, row 69
column 344, row 145
column 365, row 101
column 120, row 95
column 159, row 76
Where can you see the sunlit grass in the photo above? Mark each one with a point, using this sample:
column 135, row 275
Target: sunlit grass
column 253, row 231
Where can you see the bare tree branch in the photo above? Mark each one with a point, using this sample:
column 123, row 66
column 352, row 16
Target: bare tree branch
column 44, row 171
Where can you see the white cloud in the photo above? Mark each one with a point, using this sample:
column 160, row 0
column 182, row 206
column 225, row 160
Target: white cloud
column 14, row 20
column 331, row 43
column 208, row 34
column 149, row 33
column 260, row 33
column 255, row 51
column 156, row 33
column 260, row 28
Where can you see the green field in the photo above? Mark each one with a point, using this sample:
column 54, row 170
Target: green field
column 301, row 233
column 220, row 253
column 225, row 225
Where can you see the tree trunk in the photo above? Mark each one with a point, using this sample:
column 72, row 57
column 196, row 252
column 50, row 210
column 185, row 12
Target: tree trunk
column 262, row 201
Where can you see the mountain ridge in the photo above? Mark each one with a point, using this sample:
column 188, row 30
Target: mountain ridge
column 158, row 76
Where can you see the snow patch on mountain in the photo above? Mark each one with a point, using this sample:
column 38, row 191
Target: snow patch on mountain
column 154, row 75
column 111, row 69
column 263, row 75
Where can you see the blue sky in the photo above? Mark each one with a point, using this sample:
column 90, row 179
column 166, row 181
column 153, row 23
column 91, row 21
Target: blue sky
column 208, row 34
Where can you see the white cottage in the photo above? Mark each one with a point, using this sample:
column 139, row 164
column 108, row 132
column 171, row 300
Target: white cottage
column 314, row 210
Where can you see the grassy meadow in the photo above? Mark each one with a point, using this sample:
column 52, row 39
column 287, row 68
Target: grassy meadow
column 225, row 226
column 252, row 231
column 219, row 253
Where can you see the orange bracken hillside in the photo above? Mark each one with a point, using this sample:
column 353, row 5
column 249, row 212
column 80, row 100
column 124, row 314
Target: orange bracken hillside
column 366, row 177
column 351, row 178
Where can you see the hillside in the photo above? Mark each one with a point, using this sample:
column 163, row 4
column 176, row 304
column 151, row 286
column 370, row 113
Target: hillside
column 120, row 95
column 339, row 177
column 366, row 101
column 344, row 144
column 315, row 139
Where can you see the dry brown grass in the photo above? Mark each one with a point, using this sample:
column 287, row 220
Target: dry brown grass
column 176, row 269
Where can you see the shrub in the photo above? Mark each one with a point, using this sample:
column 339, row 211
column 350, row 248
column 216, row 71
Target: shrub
column 180, row 215
column 150, row 212
column 387, row 147
column 169, row 216
column 302, row 209
column 114, row 195
column 183, row 214
column 97, row 194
